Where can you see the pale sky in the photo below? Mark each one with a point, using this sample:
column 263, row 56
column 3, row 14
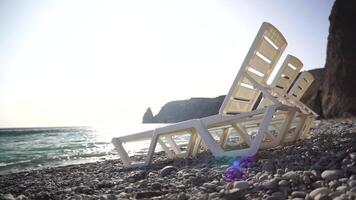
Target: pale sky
column 83, row 62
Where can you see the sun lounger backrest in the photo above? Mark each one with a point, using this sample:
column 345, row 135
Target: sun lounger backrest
column 260, row 61
column 286, row 75
column 284, row 78
column 303, row 82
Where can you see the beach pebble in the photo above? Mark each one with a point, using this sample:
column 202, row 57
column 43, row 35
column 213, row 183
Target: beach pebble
column 332, row 174
column 320, row 192
column 7, row 197
column 353, row 156
column 263, row 177
column 242, row 185
column 279, row 195
column 43, row 196
column 270, row 184
column 290, row 175
column 21, row 197
column 147, row 194
column 182, row 196
column 283, row 183
column 136, row 176
column 352, row 183
column 234, row 194
column 209, row 186
column 156, row 186
column 298, row 194
column 352, row 192
column 80, row 189
column 168, row 170
column 341, row 197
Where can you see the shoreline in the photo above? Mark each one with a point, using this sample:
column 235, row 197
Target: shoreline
column 320, row 167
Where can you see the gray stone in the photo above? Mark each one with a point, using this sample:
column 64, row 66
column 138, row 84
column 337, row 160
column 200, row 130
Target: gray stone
column 341, row 197
column 298, row 194
column 263, row 177
column 213, row 195
column 136, row 176
column 332, row 174
column 279, row 195
column 290, row 175
column 352, row 183
column 335, row 194
column 342, row 188
column 280, row 171
column 147, row 194
column 168, row 170
column 234, row 194
column 182, row 196
column 321, row 196
column 322, row 191
column 274, row 198
column 317, row 184
column 209, row 186
column 7, row 197
column 156, row 186
column 353, row 156
column 21, row 197
column 306, row 179
column 352, row 192
column 283, row 183
column 124, row 195
column 242, row 185
column 270, row 184
column 351, row 169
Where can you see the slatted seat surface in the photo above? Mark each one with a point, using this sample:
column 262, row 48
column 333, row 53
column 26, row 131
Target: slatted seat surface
column 259, row 63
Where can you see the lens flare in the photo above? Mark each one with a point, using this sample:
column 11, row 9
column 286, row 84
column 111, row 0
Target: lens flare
column 234, row 173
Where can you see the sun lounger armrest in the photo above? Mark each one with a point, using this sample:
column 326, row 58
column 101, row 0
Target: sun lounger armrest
column 136, row 137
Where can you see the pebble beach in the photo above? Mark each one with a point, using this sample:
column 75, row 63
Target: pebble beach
column 320, row 167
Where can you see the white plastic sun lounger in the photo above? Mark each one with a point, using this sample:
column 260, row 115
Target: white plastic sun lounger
column 283, row 80
column 251, row 79
column 299, row 123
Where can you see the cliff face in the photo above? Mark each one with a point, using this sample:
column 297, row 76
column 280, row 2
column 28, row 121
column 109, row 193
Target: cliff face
column 311, row 98
column 176, row 111
column 338, row 95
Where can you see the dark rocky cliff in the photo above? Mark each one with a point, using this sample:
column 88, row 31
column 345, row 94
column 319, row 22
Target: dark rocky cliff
column 311, row 98
column 338, row 95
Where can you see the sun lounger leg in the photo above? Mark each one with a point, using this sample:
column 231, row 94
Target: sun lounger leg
column 196, row 146
column 122, row 153
column 191, row 143
column 243, row 134
column 224, row 137
column 208, row 139
column 266, row 121
column 174, row 146
column 152, row 148
column 304, row 127
column 285, row 127
column 166, row 149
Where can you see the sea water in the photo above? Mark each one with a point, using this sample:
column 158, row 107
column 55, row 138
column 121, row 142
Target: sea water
column 31, row 148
